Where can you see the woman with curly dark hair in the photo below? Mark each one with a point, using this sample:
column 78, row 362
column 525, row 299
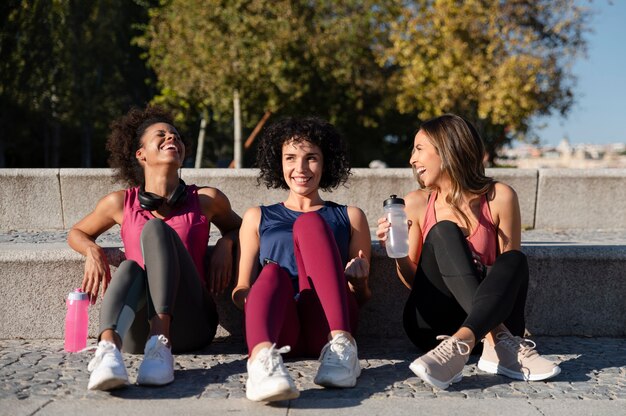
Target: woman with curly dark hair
column 159, row 299
column 304, row 263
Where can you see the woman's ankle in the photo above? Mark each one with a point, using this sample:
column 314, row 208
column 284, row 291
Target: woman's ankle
column 257, row 348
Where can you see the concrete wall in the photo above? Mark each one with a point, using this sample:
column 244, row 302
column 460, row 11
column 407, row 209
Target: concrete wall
column 30, row 199
column 581, row 199
column 575, row 290
column 36, row 199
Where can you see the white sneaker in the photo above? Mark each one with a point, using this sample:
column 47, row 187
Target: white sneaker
column 339, row 363
column 157, row 367
column 107, row 368
column 268, row 379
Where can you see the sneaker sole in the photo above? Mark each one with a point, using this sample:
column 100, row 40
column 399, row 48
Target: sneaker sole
column 420, row 371
column 494, row 368
column 147, row 382
column 273, row 396
column 343, row 383
column 109, row 384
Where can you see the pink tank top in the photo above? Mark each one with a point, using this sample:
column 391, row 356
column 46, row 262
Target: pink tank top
column 482, row 241
column 187, row 220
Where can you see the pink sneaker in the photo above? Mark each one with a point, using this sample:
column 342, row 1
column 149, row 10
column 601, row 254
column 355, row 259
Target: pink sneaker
column 444, row 364
column 516, row 357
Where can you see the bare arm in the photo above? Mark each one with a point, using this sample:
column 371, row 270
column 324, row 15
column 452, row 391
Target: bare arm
column 249, row 242
column 360, row 251
column 216, row 207
column 415, row 206
column 82, row 238
column 506, row 215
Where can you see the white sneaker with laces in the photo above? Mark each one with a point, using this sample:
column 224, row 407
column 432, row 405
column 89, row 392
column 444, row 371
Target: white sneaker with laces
column 157, row 367
column 339, row 363
column 107, row 368
column 268, row 379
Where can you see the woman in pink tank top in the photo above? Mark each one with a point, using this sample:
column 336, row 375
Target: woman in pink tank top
column 467, row 275
column 159, row 299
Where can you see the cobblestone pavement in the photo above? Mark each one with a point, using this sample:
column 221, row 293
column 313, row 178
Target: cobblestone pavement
column 592, row 369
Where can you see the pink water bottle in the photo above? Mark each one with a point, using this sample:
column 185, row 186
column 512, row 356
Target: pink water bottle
column 76, row 320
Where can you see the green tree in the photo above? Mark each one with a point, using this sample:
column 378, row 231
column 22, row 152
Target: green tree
column 67, row 68
column 288, row 57
column 498, row 63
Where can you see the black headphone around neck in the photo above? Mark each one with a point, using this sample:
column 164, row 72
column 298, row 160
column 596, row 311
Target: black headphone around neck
column 151, row 202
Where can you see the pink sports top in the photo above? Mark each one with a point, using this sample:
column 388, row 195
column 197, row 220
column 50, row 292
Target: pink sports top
column 187, row 220
column 482, row 241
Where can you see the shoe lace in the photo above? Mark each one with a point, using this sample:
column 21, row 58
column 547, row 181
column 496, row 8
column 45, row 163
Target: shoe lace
column 338, row 349
column 155, row 353
column 271, row 361
column 448, row 348
column 101, row 350
column 524, row 347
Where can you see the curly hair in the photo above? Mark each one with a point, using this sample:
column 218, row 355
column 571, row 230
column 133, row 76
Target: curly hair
column 336, row 168
column 125, row 139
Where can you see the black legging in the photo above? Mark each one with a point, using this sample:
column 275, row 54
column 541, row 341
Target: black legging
column 169, row 284
column 448, row 292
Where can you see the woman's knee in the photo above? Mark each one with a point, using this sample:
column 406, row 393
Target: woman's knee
column 513, row 258
column 444, row 231
column 307, row 221
column 128, row 270
column 153, row 229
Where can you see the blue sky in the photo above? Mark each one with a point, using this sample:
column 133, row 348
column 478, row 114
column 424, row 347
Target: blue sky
column 599, row 115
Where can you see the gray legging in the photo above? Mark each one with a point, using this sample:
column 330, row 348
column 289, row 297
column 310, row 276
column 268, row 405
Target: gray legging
column 169, row 284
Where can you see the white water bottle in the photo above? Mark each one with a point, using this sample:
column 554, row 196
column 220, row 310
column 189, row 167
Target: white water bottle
column 397, row 243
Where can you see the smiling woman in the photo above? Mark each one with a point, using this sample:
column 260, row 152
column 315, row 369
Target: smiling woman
column 165, row 226
column 304, row 263
column 467, row 275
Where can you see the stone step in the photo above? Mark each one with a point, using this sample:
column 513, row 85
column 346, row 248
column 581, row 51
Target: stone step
column 577, row 286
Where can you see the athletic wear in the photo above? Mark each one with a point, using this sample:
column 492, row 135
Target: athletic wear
column 483, row 241
column 276, row 234
column 339, row 363
column 275, row 313
column 443, row 365
column 160, row 276
column 448, row 291
column 187, row 220
column 107, row 368
column 157, row 367
column 268, row 379
column 516, row 358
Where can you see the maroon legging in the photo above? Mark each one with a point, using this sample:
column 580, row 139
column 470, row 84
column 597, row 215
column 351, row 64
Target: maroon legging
column 273, row 312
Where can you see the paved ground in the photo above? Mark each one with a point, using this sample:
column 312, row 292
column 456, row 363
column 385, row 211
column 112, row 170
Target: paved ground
column 38, row 377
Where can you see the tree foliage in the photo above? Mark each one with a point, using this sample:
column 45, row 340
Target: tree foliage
column 288, row 57
column 374, row 69
column 497, row 63
column 67, row 69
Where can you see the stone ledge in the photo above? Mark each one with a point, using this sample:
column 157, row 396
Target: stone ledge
column 576, row 288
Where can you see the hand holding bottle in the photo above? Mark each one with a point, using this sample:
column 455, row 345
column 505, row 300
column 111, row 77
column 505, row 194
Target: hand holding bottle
column 396, row 238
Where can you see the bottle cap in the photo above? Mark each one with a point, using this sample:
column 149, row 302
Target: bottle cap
column 393, row 199
column 78, row 294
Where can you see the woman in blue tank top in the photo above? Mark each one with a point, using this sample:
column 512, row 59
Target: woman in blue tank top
column 304, row 263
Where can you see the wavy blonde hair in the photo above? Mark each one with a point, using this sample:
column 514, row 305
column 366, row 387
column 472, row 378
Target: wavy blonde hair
column 462, row 153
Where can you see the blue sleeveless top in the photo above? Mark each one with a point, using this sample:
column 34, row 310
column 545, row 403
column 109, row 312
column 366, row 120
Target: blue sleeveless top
column 276, row 233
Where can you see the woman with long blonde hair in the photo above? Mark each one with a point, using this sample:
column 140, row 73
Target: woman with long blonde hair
column 467, row 275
